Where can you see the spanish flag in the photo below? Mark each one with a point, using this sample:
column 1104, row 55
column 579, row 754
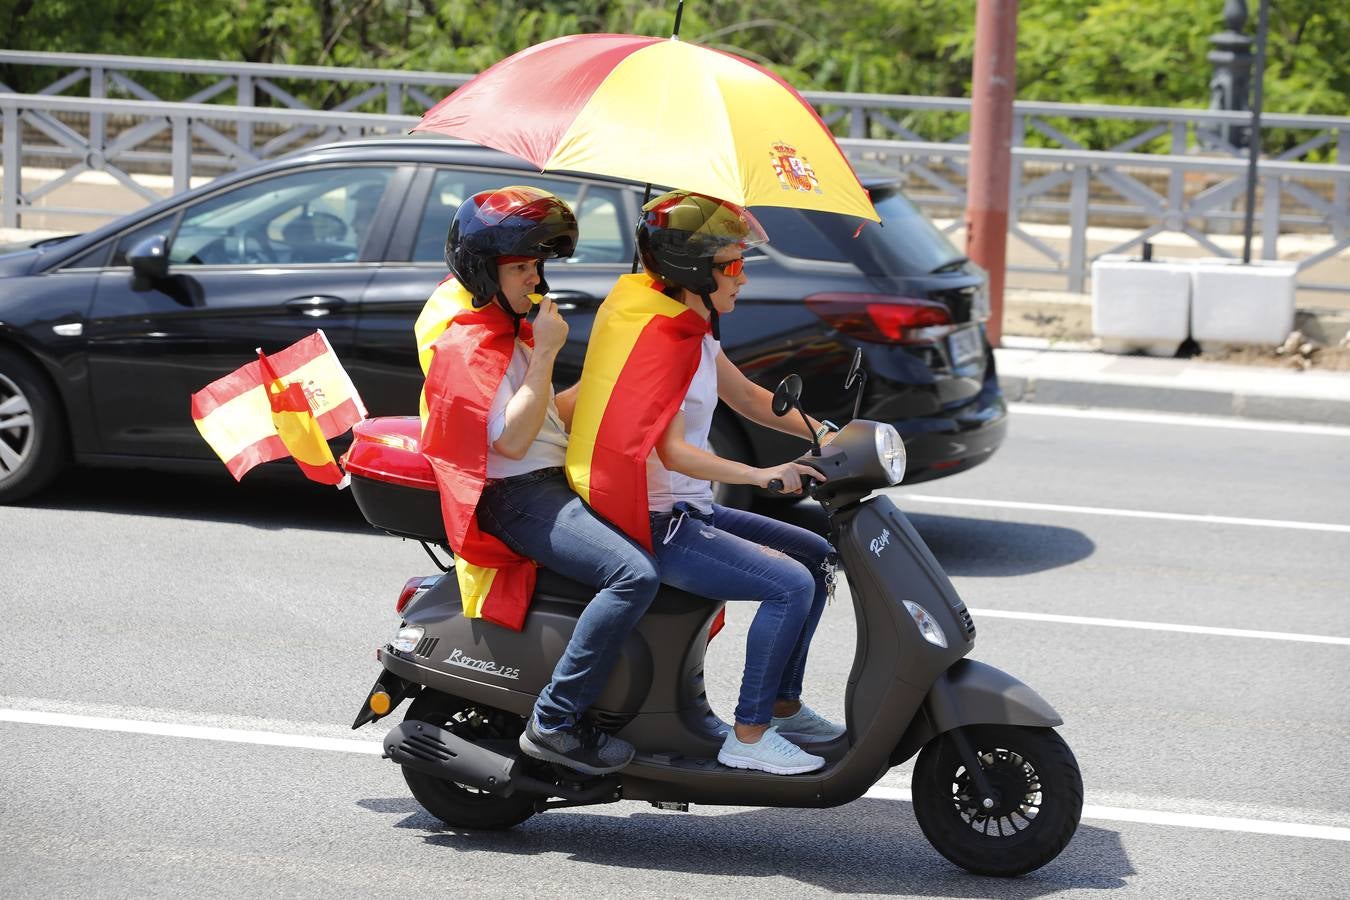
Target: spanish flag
column 465, row 352
column 643, row 353
column 286, row 404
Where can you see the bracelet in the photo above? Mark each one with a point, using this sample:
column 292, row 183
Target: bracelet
column 826, row 426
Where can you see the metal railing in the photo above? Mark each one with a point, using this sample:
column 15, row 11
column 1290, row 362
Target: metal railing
column 1195, row 188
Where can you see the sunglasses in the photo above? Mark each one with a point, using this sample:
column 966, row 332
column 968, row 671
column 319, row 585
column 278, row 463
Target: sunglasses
column 732, row 267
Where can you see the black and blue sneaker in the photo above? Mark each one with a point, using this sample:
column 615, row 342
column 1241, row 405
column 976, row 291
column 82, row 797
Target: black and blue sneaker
column 584, row 748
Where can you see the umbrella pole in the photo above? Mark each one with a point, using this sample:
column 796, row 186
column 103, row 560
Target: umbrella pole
column 646, row 195
column 679, row 11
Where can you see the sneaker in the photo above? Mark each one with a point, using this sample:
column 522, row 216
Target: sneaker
column 772, row 753
column 584, row 748
column 806, row 726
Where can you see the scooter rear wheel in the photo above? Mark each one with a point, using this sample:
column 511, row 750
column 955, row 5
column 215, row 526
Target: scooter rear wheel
column 1039, row 798
column 455, row 804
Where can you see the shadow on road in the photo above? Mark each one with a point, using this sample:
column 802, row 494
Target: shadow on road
column 261, row 500
column 971, row 547
column 866, row 847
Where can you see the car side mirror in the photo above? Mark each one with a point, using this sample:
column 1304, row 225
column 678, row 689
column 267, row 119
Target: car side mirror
column 788, row 392
column 149, row 258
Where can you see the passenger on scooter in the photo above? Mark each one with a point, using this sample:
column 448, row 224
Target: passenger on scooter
column 497, row 436
column 691, row 247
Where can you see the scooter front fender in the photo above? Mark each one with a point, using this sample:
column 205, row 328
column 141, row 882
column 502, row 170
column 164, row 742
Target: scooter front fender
column 973, row 693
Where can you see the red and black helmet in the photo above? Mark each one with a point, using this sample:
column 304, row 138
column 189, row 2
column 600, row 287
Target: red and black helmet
column 516, row 221
column 680, row 232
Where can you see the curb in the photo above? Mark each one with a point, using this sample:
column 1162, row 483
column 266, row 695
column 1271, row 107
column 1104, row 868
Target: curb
column 1078, row 378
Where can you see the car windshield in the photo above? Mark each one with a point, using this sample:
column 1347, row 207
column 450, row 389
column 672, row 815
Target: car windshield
column 908, row 244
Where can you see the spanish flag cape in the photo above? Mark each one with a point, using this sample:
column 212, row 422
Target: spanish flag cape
column 643, row 352
column 464, row 353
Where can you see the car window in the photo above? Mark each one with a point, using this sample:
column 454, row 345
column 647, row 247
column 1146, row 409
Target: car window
column 319, row 216
column 599, row 210
column 908, row 244
column 90, row 259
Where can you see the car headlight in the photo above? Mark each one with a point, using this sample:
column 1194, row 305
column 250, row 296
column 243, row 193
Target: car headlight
column 928, row 626
column 408, row 637
column 890, row 452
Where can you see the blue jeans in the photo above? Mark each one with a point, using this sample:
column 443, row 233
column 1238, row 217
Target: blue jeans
column 733, row 555
column 543, row 519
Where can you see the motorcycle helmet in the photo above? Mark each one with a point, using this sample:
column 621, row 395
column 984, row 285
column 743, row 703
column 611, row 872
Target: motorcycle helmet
column 516, row 221
column 680, row 232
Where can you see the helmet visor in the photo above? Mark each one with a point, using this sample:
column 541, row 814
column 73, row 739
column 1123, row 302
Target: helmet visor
column 710, row 224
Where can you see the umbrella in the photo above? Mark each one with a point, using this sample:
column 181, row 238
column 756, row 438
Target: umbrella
column 656, row 110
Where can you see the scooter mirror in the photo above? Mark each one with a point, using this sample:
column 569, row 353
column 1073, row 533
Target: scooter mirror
column 854, row 369
column 787, row 394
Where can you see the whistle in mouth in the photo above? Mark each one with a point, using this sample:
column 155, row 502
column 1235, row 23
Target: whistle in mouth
column 535, row 298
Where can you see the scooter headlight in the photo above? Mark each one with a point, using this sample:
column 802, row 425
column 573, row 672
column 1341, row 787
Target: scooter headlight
column 890, row 451
column 928, row 626
column 408, row 637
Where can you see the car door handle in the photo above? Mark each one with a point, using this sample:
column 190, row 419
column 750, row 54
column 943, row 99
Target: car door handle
column 572, row 299
column 315, row 305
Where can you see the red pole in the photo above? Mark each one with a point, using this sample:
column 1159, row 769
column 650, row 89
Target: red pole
column 993, row 88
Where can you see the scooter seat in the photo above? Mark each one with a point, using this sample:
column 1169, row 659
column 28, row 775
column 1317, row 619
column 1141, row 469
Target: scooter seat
column 563, row 588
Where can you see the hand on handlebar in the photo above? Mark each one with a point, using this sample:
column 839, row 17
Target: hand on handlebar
column 789, row 478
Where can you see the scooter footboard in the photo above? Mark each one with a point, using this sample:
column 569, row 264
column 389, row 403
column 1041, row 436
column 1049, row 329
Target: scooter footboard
column 974, row 693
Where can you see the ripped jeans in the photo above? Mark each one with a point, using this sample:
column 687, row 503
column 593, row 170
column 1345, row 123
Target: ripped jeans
column 734, row 555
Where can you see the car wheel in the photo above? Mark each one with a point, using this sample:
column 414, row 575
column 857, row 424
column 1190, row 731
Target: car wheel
column 728, row 443
column 33, row 445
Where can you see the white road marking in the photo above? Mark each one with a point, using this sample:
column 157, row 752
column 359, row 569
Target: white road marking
column 1180, row 820
column 308, row 742
column 1195, row 421
column 1333, row 527
column 196, row 732
column 1161, row 626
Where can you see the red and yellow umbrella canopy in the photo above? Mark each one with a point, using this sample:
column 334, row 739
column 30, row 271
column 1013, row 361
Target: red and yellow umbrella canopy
column 661, row 111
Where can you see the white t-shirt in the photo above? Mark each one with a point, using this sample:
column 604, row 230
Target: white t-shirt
column 666, row 488
column 549, row 447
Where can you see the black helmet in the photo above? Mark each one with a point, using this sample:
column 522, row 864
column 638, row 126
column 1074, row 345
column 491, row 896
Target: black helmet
column 680, row 232
column 510, row 221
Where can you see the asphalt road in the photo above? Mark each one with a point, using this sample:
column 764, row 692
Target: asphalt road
column 140, row 611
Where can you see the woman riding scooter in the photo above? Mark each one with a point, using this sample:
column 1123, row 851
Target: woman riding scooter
column 691, row 247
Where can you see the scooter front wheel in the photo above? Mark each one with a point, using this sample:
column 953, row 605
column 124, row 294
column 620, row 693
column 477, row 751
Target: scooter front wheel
column 1037, row 798
column 455, row 804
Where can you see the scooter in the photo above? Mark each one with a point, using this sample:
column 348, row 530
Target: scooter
column 995, row 789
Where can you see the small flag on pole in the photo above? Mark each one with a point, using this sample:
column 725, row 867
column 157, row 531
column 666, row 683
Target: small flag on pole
column 287, row 404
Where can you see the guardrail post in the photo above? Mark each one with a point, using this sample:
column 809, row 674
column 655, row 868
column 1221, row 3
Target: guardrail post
column 182, row 153
column 394, row 99
column 857, row 121
column 244, row 97
column 1342, row 187
column 9, row 158
column 1078, row 218
column 1270, row 216
column 98, row 90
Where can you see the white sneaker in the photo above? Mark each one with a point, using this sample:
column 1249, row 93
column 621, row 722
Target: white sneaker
column 806, row 726
column 772, row 753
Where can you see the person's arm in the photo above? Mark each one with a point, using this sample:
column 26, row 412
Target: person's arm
column 566, row 401
column 756, row 403
column 527, row 408
column 679, row 455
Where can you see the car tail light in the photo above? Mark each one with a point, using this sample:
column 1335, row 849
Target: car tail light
column 882, row 318
column 411, row 589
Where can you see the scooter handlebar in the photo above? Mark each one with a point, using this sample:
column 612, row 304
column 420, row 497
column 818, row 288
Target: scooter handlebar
column 808, row 483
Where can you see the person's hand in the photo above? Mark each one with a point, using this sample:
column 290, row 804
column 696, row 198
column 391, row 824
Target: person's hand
column 550, row 328
column 790, row 474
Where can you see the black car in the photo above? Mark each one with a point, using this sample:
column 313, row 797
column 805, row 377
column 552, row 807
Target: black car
column 104, row 336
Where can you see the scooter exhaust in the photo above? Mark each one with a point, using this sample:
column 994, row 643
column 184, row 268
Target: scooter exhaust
column 439, row 753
